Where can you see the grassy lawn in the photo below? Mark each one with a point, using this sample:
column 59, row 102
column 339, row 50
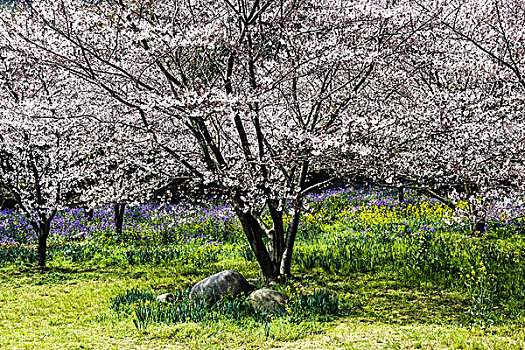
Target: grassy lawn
column 70, row 309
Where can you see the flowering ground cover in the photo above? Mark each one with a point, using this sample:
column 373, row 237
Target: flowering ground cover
column 404, row 275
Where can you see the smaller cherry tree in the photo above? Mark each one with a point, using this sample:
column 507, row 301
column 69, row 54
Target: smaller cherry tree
column 39, row 145
column 45, row 136
column 123, row 170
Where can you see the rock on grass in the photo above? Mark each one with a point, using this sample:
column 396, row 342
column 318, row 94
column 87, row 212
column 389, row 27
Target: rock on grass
column 268, row 300
column 227, row 283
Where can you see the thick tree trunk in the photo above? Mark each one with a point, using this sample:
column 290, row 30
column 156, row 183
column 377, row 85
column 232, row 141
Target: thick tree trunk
column 42, row 229
column 119, row 209
column 275, row 258
column 254, row 234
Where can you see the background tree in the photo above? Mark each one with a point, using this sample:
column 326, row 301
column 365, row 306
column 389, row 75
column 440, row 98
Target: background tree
column 40, row 141
column 461, row 92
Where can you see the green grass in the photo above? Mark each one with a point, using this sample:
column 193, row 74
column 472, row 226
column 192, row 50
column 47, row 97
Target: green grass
column 404, row 278
column 70, row 309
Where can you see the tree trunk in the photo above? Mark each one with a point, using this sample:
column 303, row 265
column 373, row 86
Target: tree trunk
column 254, row 234
column 42, row 229
column 119, row 209
column 477, row 219
column 400, row 194
column 90, row 214
column 293, row 225
column 42, row 249
column 477, row 226
column 275, row 258
column 291, row 233
column 276, row 233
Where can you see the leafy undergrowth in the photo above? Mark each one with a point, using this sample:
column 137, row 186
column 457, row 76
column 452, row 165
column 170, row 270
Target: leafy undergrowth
column 300, row 307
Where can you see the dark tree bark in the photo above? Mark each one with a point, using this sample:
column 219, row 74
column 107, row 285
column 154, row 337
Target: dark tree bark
column 90, row 213
column 274, row 257
column 286, row 261
column 254, row 234
column 400, row 194
column 477, row 226
column 119, row 209
column 42, row 228
column 293, row 226
column 42, row 249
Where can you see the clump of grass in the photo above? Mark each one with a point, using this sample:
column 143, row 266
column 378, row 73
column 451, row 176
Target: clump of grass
column 146, row 310
column 322, row 302
column 130, row 297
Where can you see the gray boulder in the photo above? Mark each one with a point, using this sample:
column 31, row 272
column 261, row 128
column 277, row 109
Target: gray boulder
column 268, row 300
column 225, row 283
column 166, row 298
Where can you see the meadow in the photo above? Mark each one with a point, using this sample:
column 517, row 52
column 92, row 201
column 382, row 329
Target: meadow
column 369, row 272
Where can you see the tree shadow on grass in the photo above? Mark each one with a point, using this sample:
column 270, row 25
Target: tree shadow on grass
column 364, row 297
column 182, row 275
column 390, row 299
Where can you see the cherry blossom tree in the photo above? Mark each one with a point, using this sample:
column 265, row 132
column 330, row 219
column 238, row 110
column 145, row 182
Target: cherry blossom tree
column 57, row 147
column 493, row 30
column 248, row 98
column 40, row 144
column 461, row 92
